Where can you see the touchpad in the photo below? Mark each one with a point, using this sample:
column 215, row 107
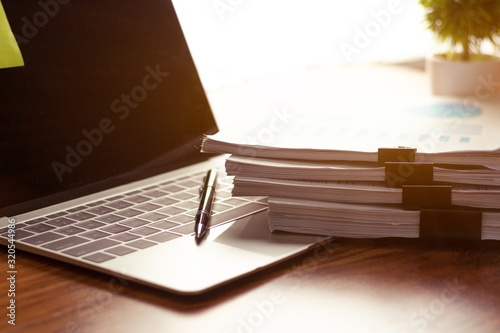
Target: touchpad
column 252, row 233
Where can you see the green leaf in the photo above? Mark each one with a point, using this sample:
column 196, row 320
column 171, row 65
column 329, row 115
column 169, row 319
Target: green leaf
column 465, row 23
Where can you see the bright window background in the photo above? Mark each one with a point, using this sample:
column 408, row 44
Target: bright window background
column 236, row 40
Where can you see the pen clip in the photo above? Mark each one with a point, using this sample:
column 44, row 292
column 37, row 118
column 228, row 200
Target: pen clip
column 202, row 187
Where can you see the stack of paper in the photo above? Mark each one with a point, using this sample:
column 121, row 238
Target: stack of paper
column 324, row 175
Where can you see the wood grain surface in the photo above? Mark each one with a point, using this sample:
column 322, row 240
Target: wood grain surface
column 385, row 285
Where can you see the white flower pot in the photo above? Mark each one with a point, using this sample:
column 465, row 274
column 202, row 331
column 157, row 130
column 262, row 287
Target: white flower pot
column 463, row 78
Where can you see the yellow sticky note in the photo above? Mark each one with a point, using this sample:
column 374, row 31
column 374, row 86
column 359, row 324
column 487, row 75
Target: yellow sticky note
column 10, row 55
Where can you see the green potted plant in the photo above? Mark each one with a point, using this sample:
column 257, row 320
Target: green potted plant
column 463, row 26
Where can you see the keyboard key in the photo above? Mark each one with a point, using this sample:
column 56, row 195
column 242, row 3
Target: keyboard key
column 184, row 196
column 130, row 212
column 195, row 191
column 189, row 183
column 99, row 257
column 120, row 250
column 80, row 216
column 138, row 199
column 111, row 218
column 95, row 234
column 60, row 222
column 20, row 234
column 148, row 207
column 188, row 204
column 42, row 238
column 124, row 237
column 134, row 223
column 141, row 244
column 100, row 210
column 172, row 188
column 145, row 231
column 115, row 228
column 120, row 204
column 234, row 202
column 163, row 225
column 219, row 207
column 186, row 229
column 152, row 217
column 91, row 224
column 59, row 214
column 181, row 218
column 35, row 221
column 172, row 210
column 65, row 243
column 69, row 231
column 76, row 209
column 163, row 237
column 91, row 247
column 191, row 212
column 165, row 201
column 199, row 177
column 155, row 194
column 39, row 228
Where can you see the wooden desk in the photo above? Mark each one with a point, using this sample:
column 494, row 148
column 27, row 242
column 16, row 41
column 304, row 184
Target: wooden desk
column 352, row 286
column 386, row 285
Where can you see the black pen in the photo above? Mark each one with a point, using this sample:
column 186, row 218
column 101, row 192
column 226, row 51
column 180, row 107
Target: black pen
column 207, row 197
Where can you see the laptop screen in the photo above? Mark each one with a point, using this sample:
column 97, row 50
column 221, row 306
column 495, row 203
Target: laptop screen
column 108, row 94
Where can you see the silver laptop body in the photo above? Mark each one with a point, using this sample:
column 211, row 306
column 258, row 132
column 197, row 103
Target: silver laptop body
column 100, row 163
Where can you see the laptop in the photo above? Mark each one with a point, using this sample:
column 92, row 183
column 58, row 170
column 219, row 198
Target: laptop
column 100, row 160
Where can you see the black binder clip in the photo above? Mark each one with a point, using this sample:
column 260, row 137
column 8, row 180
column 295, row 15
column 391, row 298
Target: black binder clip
column 463, row 225
column 417, row 197
column 398, row 174
column 397, row 154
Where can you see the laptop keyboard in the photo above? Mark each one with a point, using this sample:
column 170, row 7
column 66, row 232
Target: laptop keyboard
column 114, row 227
